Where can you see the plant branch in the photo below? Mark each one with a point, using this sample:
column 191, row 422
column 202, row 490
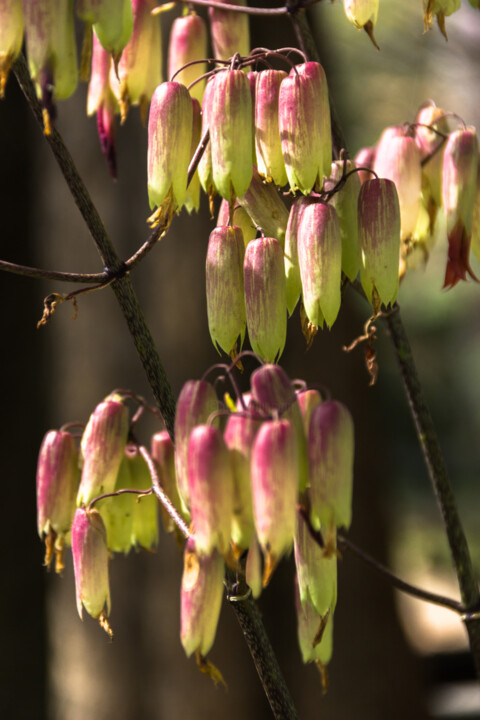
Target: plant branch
column 121, row 286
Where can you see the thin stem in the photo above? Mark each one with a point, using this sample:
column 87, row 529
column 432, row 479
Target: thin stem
column 26, row 271
column 235, row 8
column 437, row 472
column 122, row 286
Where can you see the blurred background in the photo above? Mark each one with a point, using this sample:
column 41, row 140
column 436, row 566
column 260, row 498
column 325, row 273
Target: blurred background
column 393, row 657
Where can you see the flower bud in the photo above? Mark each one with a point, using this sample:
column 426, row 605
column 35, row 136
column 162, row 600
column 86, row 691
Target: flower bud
column 360, row 12
column 268, row 147
column 240, row 218
column 379, row 238
column 231, row 133
column 102, row 447
column 441, row 9
column 112, row 21
column 345, row 202
column 307, row 401
column 188, row 42
column 319, row 247
column 230, row 31
column 101, row 100
column 11, row 37
column 304, row 124
column 210, row 485
column 274, row 395
column 145, row 509
column 201, row 599
column 316, row 570
column 170, row 127
column 265, row 298
column 224, row 285
column 274, row 471
column 315, row 633
column 399, row 160
column 196, row 402
column 427, row 141
column 331, row 455
column 139, row 70
column 460, row 164
column 292, row 268
column 57, row 480
column 266, row 208
column 163, row 452
column 90, row 564
column 117, row 512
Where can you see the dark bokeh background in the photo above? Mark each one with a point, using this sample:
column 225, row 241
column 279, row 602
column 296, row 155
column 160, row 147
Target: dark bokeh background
column 53, row 666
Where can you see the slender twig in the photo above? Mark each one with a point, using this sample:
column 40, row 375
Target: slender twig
column 26, row 271
column 234, row 8
column 122, row 286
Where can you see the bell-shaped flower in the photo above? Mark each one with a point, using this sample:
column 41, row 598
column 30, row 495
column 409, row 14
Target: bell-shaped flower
column 399, row 160
column 188, row 43
column 57, row 480
column 117, row 512
column 363, row 14
column 307, row 401
column 319, row 247
column 192, row 199
column 266, row 208
column 460, row 164
column 170, row 126
column 230, row 31
column 145, row 510
column 431, row 118
column 112, row 21
column 315, row 634
column 274, row 472
column 316, row 570
column 205, row 164
column 365, row 158
column 274, row 396
column 90, row 565
column 51, row 50
column 200, row 599
column 240, row 218
column 231, row 133
column 102, row 101
column 210, row 485
column 265, row 297
column 102, row 447
column 292, row 268
column 304, row 124
column 139, row 69
column 379, row 238
column 11, row 37
column 268, row 147
column 196, row 402
column 163, row 452
column 331, row 455
column 345, row 202
column 224, row 285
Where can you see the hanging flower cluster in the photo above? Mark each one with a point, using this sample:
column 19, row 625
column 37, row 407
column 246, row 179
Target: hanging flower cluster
column 254, row 479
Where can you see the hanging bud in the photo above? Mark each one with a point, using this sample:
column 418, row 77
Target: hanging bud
column 112, row 21
column 240, row 432
column 51, row 49
column 365, row 159
column 224, row 284
column 265, row 299
column 379, row 238
column 102, row 447
column 274, row 471
column 57, row 481
column 268, row 147
column 170, row 127
column 304, row 124
column 101, row 100
column 320, row 262
column 201, row 599
column 274, row 395
column 139, row 69
column 331, row 455
column 345, row 202
column 292, row 268
column 307, row 401
column 205, row 164
column 428, row 142
column 316, row 570
column 363, row 14
column 240, row 218
column 192, row 200
column 399, row 160
column 11, row 37
column 145, row 509
column 117, row 512
column 210, row 485
column 230, row 31
column 266, row 208
column 188, row 43
column 460, row 164
column 196, row 402
column 90, row 564
column 163, row 452
column 440, row 9
column 231, row 133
